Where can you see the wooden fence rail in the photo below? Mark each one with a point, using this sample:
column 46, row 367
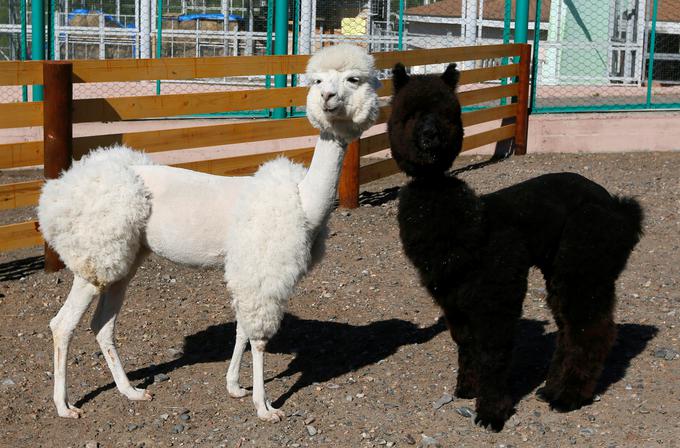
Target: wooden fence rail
column 58, row 112
column 126, row 70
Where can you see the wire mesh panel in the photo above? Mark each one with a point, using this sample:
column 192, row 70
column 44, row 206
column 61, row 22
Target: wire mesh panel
column 600, row 54
column 10, row 44
column 10, row 33
column 372, row 24
column 389, row 25
column 204, row 28
column 197, row 28
column 665, row 59
column 589, row 54
column 454, row 23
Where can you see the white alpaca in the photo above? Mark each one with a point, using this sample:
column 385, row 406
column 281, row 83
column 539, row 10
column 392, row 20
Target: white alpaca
column 113, row 207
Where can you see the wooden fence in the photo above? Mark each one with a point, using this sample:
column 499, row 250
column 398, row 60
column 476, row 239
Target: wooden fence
column 58, row 147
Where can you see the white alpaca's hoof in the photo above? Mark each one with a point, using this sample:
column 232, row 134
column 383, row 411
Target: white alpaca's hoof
column 236, row 391
column 135, row 394
column 69, row 411
column 271, row 415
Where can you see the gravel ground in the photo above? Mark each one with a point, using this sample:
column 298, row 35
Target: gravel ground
column 361, row 359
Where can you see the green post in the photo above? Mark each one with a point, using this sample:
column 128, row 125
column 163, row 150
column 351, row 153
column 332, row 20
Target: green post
column 521, row 21
column 159, row 38
column 296, row 38
column 50, row 30
column 24, row 45
column 37, row 40
column 294, row 50
column 652, row 44
column 534, row 57
column 507, row 20
column 280, row 46
column 401, row 24
column 296, row 27
column 270, row 27
column 507, row 16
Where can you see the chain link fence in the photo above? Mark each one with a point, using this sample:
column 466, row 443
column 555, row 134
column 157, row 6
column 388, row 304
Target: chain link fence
column 607, row 55
column 588, row 54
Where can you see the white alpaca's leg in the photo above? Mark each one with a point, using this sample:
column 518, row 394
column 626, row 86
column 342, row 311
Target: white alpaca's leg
column 62, row 326
column 233, row 386
column 103, row 325
column 265, row 410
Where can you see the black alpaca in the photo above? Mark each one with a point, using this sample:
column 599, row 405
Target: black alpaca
column 473, row 253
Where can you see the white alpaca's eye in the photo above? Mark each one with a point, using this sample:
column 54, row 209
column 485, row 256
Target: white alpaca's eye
column 353, row 80
column 317, row 81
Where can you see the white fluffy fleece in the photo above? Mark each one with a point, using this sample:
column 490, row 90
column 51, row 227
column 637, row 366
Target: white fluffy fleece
column 266, row 250
column 340, row 58
column 331, row 71
column 94, row 213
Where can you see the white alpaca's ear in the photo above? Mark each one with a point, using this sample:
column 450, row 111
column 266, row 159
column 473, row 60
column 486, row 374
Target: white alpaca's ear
column 399, row 77
column 451, row 76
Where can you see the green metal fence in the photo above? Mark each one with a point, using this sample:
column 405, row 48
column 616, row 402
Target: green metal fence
column 589, row 55
column 606, row 55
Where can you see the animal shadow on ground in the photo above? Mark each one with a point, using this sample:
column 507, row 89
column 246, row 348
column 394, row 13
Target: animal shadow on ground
column 323, row 350
column 326, row 350
column 534, row 349
column 378, row 198
column 14, row 270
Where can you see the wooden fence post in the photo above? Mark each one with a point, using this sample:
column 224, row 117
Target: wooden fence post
column 57, row 131
column 522, row 123
column 348, row 190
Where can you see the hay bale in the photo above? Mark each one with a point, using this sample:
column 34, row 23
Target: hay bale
column 90, row 19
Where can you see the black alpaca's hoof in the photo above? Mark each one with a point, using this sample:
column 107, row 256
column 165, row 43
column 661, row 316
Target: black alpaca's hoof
column 492, row 415
column 565, row 404
column 491, row 423
column 561, row 401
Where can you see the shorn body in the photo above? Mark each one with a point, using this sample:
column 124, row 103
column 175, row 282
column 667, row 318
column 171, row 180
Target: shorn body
column 113, row 207
column 473, row 253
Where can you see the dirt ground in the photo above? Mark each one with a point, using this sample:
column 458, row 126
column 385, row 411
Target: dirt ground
column 361, row 359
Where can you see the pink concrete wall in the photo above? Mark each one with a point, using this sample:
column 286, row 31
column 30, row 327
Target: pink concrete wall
column 605, row 132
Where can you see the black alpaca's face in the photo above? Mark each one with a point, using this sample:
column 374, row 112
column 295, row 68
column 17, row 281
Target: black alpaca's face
column 425, row 127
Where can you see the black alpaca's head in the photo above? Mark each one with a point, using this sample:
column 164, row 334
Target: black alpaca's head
column 425, row 127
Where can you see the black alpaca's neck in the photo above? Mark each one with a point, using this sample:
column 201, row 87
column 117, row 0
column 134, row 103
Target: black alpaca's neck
column 441, row 227
column 444, row 190
column 443, row 201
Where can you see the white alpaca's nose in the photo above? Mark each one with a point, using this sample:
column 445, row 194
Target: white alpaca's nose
column 327, row 95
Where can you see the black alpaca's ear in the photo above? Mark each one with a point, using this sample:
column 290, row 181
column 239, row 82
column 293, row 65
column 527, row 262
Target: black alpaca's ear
column 399, row 76
column 451, row 76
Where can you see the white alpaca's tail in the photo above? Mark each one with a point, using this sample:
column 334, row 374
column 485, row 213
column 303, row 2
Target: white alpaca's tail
column 93, row 215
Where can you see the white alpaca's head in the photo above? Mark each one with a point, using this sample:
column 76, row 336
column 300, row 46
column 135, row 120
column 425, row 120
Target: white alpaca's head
column 342, row 97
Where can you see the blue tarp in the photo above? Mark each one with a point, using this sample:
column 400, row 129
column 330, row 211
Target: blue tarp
column 107, row 17
column 220, row 17
column 182, row 18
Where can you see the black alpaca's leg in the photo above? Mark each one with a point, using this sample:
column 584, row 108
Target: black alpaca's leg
column 554, row 376
column 494, row 311
column 467, row 381
column 593, row 250
column 494, row 343
column 588, row 335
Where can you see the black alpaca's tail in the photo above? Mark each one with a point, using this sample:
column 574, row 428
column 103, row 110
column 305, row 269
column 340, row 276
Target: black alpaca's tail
column 634, row 216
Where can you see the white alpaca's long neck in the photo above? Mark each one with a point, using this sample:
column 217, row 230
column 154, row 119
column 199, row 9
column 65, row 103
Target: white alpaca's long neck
column 319, row 187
